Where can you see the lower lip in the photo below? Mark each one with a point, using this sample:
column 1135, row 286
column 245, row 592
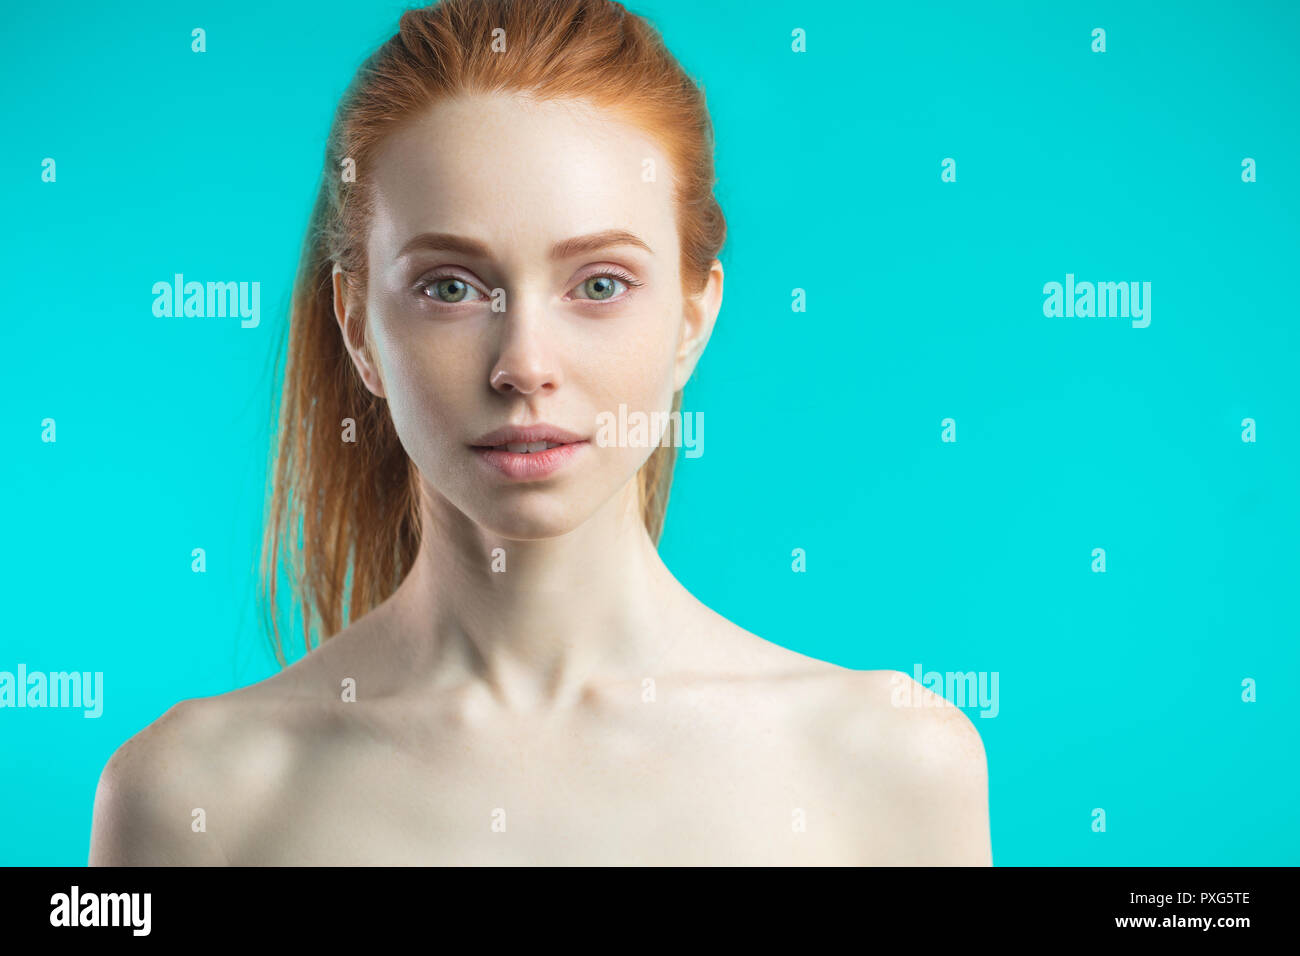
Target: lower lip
column 520, row 466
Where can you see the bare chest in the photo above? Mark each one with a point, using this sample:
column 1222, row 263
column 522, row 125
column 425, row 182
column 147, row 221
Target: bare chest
column 614, row 792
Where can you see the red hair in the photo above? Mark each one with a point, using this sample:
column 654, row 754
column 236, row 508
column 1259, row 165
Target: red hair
column 332, row 501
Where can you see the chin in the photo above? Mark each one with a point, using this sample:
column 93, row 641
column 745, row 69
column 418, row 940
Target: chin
column 529, row 520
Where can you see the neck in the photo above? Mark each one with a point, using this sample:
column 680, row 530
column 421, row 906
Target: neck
column 536, row 622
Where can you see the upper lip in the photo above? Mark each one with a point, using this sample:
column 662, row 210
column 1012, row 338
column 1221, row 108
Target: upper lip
column 512, row 434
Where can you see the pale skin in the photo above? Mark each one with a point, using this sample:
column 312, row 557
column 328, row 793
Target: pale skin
column 582, row 707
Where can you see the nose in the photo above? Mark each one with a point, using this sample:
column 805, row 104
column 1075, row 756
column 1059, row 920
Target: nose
column 526, row 362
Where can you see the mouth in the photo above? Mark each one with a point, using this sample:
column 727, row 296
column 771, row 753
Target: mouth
column 528, row 453
column 522, row 448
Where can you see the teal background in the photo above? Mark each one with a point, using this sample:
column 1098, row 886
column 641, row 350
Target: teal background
column 1119, row 690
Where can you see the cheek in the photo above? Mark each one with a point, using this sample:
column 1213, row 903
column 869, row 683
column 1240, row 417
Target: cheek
column 631, row 383
column 639, row 373
column 421, row 384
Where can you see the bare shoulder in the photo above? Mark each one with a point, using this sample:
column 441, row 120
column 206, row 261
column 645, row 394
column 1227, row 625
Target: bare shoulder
column 140, row 818
column 179, row 791
column 910, row 768
column 921, row 723
column 916, row 766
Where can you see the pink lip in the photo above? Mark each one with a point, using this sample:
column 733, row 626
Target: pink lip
column 518, row 433
column 530, row 466
column 527, row 466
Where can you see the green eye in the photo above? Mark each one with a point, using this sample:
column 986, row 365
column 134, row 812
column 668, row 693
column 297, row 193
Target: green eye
column 447, row 289
column 450, row 289
column 604, row 285
column 599, row 287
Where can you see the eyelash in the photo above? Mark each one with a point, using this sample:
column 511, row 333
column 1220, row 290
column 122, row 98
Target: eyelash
column 623, row 277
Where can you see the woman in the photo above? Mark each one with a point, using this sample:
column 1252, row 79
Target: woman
column 515, row 236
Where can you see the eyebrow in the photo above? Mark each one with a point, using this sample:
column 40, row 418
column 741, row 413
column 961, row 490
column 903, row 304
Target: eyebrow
column 564, row 249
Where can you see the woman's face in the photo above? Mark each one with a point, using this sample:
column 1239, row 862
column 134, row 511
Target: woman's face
column 498, row 295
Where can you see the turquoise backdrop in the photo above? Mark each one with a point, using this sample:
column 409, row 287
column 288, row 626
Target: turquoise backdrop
column 825, row 427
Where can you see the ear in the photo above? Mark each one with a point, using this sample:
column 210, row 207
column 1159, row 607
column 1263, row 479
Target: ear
column 343, row 310
column 699, row 313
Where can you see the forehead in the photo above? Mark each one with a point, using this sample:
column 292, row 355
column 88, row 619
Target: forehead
column 519, row 174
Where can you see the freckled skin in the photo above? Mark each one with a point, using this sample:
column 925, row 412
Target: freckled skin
column 580, row 706
column 520, row 177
